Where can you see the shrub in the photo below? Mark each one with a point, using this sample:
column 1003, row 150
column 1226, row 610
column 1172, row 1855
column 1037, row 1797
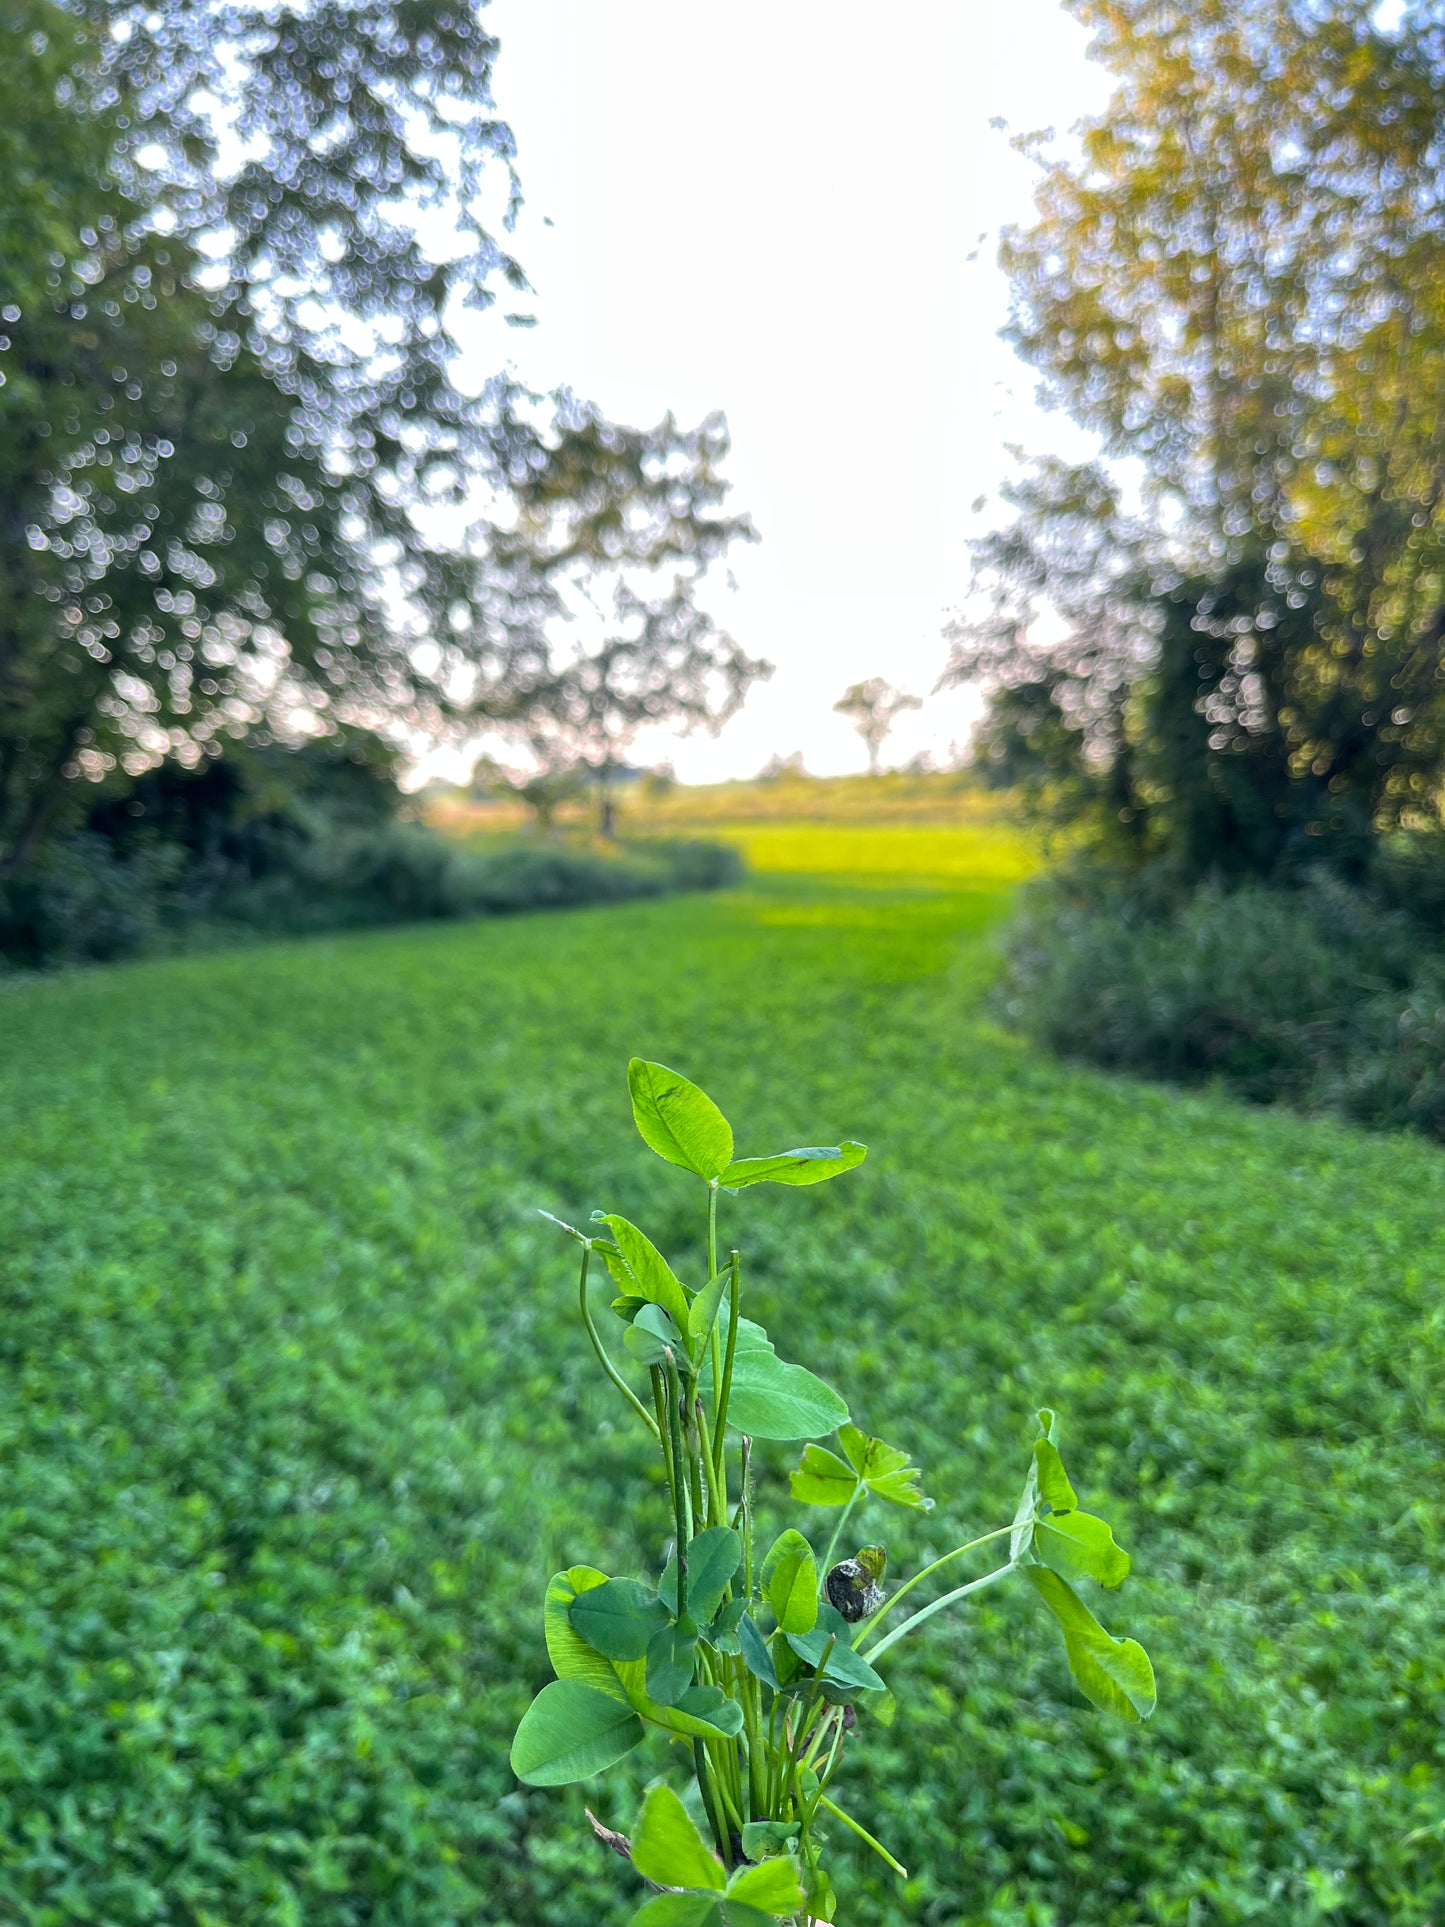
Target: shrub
column 93, row 898
column 85, row 903
column 1326, row 994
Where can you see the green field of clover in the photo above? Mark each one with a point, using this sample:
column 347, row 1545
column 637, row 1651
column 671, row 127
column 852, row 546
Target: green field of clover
column 298, row 1417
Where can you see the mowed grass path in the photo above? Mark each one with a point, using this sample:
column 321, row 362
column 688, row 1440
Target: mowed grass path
column 297, row 1418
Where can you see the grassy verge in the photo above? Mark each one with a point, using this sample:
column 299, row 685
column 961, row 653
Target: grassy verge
column 296, row 1419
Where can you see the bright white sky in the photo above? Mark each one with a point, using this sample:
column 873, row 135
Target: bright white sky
column 769, row 208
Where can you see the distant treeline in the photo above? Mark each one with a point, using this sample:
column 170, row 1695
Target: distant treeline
column 288, row 841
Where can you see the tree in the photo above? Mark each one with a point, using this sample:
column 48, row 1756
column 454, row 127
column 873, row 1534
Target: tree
column 228, row 382
column 599, row 565
column 1237, row 284
column 873, row 707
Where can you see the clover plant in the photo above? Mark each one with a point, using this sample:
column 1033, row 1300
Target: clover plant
column 752, row 1653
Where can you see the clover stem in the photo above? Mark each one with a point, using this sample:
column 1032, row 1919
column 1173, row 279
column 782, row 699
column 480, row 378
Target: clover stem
column 806, row 1713
column 757, row 1775
column 838, row 1531
column 937, row 1606
column 724, row 1396
column 862, row 1833
column 705, row 1788
column 679, row 1480
column 601, row 1350
column 745, row 1511
column 716, row 1497
column 958, row 1551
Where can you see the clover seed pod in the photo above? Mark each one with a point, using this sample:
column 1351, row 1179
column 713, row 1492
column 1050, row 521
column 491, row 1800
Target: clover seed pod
column 853, row 1587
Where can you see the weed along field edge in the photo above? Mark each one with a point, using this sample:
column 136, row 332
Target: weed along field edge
column 296, row 1408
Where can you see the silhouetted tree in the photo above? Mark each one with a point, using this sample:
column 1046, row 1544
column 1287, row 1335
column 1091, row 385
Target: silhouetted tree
column 873, row 707
column 598, row 564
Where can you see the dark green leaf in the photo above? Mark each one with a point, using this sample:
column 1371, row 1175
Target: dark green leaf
column 678, row 1121
column 702, row 1712
column 725, row 1625
column 844, row 1667
column 618, row 1619
column 809, row 1165
column 762, row 1838
column 790, row 1581
column 571, row 1731
column 668, row 1849
column 711, row 1706
column 756, row 1656
column 712, row 1559
column 671, row 1659
column 1114, row 1673
column 571, row 1656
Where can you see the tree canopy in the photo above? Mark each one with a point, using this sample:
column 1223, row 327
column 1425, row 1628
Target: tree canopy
column 234, row 251
column 1235, row 280
column 597, row 573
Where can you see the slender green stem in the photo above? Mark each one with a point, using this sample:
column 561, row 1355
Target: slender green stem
column 731, row 1814
column 863, row 1834
column 927, row 1612
column 679, row 1481
column 706, row 1789
column 734, row 1294
column 833, row 1757
column 806, row 1714
column 838, row 1531
column 659, row 1404
column 716, row 1497
column 601, row 1350
column 745, row 1507
column 753, row 1726
column 712, row 1229
column 821, row 1735
column 883, row 1611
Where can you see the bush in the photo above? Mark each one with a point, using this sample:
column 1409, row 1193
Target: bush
column 180, row 872
column 85, row 903
column 1324, row 994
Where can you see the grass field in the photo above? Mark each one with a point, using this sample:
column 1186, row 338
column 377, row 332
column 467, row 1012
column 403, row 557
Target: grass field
column 297, row 1419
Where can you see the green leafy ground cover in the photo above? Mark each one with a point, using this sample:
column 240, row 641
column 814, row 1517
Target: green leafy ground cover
column 295, row 1411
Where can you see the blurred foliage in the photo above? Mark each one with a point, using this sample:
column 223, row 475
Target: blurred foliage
column 1326, row 995
column 1235, row 282
column 270, row 839
column 161, row 520
column 599, row 563
column 241, row 489
column 296, row 1411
